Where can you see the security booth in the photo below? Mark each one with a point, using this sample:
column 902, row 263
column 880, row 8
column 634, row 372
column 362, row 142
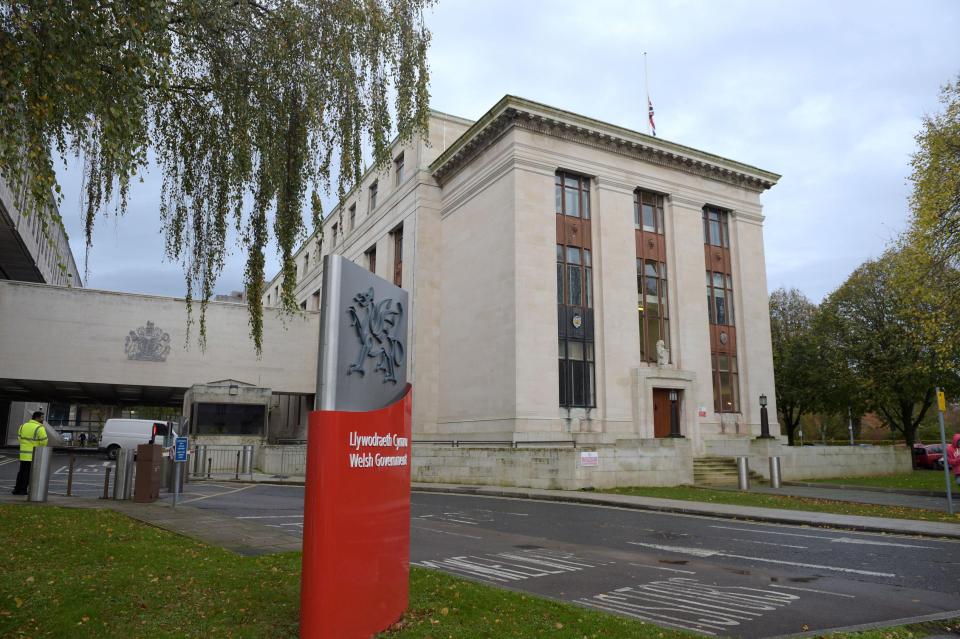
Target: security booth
column 225, row 420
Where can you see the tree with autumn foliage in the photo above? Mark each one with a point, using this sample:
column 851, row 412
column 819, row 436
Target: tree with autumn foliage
column 237, row 101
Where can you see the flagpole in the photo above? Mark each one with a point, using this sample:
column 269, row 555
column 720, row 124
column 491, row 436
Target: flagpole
column 646, row 86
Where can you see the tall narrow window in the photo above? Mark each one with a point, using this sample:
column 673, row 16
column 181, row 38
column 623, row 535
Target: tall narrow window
column 720, row 310
column 653, row 305
column 372, row 258
column 373, row 196
column 575, row 345
column 398, row 256
column 306, row 263
column 353, row 215
column 398, row 169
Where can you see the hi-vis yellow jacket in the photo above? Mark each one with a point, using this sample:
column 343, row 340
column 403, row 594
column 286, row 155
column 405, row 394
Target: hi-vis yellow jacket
column 31, row 435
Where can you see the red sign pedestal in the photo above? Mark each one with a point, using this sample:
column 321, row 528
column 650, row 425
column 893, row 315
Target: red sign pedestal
column 356, row 527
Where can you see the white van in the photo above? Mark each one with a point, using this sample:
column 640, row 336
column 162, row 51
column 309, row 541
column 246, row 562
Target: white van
column 130, row 433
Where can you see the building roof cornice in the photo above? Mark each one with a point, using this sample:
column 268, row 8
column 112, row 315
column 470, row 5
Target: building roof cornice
column 513, row 112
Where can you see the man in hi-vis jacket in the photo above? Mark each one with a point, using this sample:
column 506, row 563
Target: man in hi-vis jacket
column 31, row 435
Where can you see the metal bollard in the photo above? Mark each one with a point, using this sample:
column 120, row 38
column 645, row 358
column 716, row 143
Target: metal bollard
column 237, row 474
column 106, row 484
column 73, row 460
column 743, row 473
column 199, row 455
column 775, row 472
column 40, row 474
column 209, row 463
column 123, row 484
column 246, row 467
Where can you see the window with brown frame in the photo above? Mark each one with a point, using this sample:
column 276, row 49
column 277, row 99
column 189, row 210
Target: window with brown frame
column 398, row 169
column 573, row 195
column 353, row 215
column 372, row 258
column 373, row 196
column 398, row 256
column 653, row 307
column 726, row 383
column 716, row 231
column 720, row 298
column 576, row 358
column 720, row 310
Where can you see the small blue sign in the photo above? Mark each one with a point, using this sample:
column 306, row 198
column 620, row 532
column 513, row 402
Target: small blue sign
column 180, row 450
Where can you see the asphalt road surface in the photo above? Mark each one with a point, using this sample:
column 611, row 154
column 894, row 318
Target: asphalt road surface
column 717, row 577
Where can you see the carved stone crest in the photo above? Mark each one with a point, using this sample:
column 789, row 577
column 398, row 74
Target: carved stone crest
column 375, row 323
column 147, row 344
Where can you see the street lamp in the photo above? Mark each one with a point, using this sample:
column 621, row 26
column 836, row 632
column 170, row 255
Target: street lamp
column 674, row 415
column 764, row 420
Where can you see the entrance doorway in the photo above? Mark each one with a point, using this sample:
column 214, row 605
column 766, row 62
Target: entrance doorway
column 661, row 410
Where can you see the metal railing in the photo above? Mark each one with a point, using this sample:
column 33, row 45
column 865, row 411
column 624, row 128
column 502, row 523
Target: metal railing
column 499, row 443
column 220, row 461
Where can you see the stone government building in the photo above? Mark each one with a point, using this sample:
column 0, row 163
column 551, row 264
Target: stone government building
column 575, row 286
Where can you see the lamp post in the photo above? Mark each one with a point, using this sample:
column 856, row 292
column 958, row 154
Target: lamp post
column 764, row 420
column 674, row 415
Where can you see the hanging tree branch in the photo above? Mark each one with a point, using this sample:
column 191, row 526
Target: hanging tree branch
column 233, row 97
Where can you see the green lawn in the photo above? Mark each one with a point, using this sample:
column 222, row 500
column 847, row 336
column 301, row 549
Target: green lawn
column 916, row 480
column 91, row 573
column 763, row 500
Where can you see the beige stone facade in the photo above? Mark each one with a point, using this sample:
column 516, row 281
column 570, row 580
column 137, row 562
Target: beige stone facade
column 476, row 205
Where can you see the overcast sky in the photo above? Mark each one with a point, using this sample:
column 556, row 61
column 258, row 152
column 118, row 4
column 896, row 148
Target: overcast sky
column 828, row 94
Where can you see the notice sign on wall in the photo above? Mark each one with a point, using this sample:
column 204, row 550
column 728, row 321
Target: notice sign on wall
column 589, row 458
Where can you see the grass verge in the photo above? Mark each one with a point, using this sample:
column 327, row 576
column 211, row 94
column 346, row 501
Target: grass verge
column 95, row 573
column 916, row 480
column 909, row 631
column 787, row 502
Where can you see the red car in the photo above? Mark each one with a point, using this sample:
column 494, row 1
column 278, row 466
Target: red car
column 928, row 456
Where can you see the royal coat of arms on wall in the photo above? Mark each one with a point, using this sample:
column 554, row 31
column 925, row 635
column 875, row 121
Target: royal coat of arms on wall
column 148, row 344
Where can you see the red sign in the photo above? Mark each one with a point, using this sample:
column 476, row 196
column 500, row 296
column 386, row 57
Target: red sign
column 356, row 526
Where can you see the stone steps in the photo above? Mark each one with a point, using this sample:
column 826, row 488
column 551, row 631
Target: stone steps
column 719, row 471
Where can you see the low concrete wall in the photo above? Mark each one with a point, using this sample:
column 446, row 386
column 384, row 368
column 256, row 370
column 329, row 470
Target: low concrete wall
column 281, row 460
column 823, row 462
column 798, row 463
column 658, row 462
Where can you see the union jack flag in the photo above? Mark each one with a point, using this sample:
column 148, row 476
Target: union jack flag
column 653, row 126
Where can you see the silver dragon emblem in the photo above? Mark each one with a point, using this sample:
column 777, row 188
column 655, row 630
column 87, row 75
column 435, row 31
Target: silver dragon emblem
column 375, row 324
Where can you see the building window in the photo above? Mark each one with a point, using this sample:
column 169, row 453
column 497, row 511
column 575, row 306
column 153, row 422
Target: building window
column 720, row 298
column 398, row 256
column 303, row 304
column 306, row 263
column 574, row 276
column 353, row 215
column 573, row 195
column 373, row 196
column 726, row 384
column 335, row 228
column 648, row 212
column 723, row 332
column 372, row 258
column 398, row 169
column 316, row 300
column 716, row 231
column 653, row 307
column 574, row 260
column 268, row 299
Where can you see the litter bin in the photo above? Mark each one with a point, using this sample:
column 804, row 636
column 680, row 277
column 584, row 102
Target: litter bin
column 147, row 484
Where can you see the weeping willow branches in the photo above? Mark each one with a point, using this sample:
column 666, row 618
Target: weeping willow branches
column 244, row 105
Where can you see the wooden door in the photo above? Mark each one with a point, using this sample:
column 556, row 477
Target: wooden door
column 661, row 412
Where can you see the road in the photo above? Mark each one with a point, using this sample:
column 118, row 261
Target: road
column 712, row 576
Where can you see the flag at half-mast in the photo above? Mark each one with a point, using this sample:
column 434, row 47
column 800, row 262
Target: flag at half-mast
column 653, row 126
